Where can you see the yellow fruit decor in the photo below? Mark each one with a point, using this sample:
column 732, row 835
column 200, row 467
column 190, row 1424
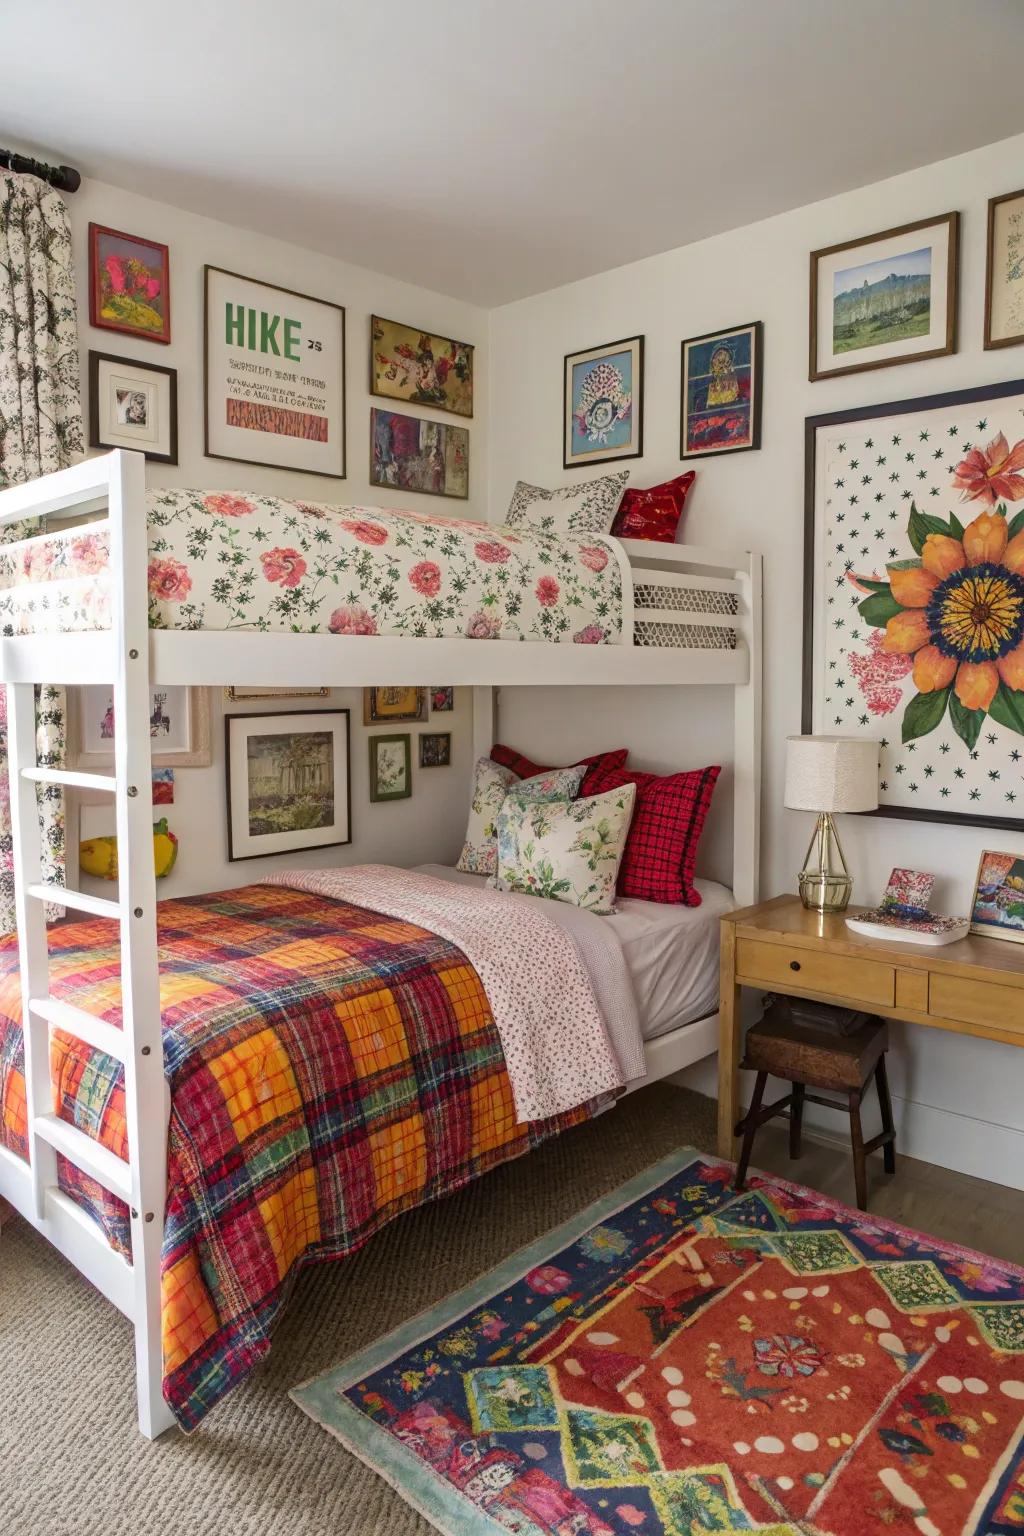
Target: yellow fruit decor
column 98, row 855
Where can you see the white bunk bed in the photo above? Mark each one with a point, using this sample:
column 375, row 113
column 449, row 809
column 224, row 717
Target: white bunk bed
column 674, row 584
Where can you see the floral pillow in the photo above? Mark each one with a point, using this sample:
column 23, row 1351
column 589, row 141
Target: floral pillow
column 567, row 851
column 588, row 508
column 491, row 784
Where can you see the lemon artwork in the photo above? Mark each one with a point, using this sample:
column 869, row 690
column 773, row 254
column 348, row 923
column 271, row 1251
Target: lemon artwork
column 98, row 855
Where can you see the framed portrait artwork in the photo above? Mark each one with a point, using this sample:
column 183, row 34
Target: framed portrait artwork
column 129, row 284
column 179, row 726
column 603, row 403
column 887, row 299
column 1004, row 271
column 914, row 598
column 274, row 376
column 414, row 365
column 436, row 749
column 288, row 784
column 390, row 768
column 721, row 392
column 133, row 405
column 997, row 908
column 408, row 453
column 381, row 706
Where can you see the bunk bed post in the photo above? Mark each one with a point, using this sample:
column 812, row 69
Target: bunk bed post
column 484, row 721
column 146, row 1093
column 746, row 820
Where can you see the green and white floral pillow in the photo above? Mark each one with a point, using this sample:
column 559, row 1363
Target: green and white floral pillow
column 566, row 851
column 588, row 508
column 491, row 784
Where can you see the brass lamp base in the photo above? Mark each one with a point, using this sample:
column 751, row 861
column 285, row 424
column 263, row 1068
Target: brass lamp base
column 824, row 882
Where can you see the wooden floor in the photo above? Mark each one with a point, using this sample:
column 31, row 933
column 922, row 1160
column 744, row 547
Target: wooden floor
column 954, row 1206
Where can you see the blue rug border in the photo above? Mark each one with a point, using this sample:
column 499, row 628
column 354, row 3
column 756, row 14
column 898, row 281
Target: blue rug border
column 437, row 1501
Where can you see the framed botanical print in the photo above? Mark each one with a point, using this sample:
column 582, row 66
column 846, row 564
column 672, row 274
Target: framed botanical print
column 383, row 705
column 721, row 392
column 1004, row 271
column 133, row 405
column 603, row 403
column 390, row 768
column 287, row 782
column 410, row 364
column 129, row 284
column 179, row 726
column 274, row 376
column 887, row 299
column 914, row 598
column 997, row 909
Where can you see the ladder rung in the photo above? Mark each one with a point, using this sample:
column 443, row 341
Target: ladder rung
column 99, row 906
column 71, row 780
column 87, row 1154
column 84, row 1026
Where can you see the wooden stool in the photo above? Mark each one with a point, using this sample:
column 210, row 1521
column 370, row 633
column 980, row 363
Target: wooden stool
column 819, row 1059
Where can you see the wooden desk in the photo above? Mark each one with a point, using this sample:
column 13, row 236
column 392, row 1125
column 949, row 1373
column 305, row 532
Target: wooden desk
column 972, row 987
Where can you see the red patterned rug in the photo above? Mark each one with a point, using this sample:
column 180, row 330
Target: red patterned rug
column 682, row 1359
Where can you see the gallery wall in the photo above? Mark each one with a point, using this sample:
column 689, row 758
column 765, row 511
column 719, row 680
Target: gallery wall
column 959, row 1101
column 431, row 823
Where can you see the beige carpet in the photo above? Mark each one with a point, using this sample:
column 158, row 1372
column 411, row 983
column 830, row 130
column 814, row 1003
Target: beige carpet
column 71, row 1460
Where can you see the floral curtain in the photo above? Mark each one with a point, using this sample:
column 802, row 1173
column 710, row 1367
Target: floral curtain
column 40, row 430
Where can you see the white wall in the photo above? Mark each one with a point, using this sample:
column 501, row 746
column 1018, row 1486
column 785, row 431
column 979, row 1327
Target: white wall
column 431, row 823
column 959, row 1100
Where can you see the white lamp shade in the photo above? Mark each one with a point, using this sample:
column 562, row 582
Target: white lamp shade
column 831, row 773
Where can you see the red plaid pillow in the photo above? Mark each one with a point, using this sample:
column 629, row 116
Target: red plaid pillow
column 661, row 848
column 654, row 513
column 601, row 762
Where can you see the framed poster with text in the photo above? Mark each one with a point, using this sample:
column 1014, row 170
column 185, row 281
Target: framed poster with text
column 274, row 364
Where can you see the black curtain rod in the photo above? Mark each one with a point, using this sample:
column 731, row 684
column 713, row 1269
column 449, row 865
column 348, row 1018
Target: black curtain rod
column 64, row 177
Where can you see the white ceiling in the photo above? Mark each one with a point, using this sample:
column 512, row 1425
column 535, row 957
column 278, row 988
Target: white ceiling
column 495, row 148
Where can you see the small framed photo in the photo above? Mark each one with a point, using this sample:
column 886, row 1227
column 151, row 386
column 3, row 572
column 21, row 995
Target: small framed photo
column 442, row 700
column 721, row 392
column 133, row 405
column 1004, row 272
column 887, row 299
column 436, row 749
column 179, row 726
column 129, row 284
column 287, row 782
column 242, row 691
column 997, row 911
column 603, row 403
column 390, row 768
column 381, row 706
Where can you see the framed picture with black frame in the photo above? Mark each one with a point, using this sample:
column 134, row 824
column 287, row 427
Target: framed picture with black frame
column 133, row 404
column 603, row 403
column 288, row 782
column 720, row 392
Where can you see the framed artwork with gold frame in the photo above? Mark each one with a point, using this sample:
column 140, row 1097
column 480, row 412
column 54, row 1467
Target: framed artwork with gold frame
column 381, row 706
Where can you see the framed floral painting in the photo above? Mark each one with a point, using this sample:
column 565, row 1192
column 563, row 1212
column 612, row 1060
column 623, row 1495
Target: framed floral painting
column 603, row 405
column 413, row 365
column 914, row 598
column 129, row 284
column 1004, row 272
column 390, row 768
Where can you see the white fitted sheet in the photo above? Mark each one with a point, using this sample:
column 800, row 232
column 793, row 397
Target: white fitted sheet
column 671, row 952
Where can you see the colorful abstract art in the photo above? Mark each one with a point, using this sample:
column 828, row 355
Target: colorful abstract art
column 721, row 392
column 408, row 453
column 413, row 365
column 682, row 1359
column 603, row 403
column 129, row 284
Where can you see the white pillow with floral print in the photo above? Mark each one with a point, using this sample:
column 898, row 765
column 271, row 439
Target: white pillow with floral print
column 491, row 784
column 566, row 851
column 588, row 508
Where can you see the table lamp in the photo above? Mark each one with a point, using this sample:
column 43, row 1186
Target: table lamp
column 826, row 774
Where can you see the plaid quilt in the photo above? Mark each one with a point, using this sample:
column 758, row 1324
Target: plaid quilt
column 329, row 1067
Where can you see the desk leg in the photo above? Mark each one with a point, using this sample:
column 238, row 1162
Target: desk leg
column 729, row 1041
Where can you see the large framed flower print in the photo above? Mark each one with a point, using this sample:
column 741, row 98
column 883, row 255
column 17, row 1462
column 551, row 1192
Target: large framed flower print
column 914, row 598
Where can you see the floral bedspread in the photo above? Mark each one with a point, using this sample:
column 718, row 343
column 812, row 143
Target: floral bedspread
column 230, row 561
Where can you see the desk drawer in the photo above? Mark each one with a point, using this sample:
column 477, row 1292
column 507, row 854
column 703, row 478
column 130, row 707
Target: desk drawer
column 784, row 966
column 977, row 1002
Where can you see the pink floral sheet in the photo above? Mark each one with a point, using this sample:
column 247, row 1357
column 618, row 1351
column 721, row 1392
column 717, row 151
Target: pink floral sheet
column 230, row 561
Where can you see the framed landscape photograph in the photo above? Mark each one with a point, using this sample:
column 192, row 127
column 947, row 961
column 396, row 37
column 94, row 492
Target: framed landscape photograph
column 884, row 300
column 133, row 405
column 390, row 768
column 914, row 598
column 287, row 782
column 381, row 706
column 721, row 392
column 997, row 909
column 274, row 376
column 436, row 749
column 408, row 453
column 179, row 726
column 1004, row 272
column 129, row 284
column 420, row 368
column 603, row 403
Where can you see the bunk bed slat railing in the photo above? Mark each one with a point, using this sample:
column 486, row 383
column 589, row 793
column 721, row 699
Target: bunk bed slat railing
column 84, row 1026
column 78, row 901
column 87, row 1154
column 69, row 780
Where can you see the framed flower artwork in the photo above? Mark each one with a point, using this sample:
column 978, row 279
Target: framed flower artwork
column 721, row 392
column 914, row 598
column 409, row 364
column 603, row 404
column 1004, row 272
column 129, row 284
column 390, row 768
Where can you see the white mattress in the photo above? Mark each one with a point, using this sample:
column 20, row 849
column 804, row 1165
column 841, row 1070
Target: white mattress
column 671, row 952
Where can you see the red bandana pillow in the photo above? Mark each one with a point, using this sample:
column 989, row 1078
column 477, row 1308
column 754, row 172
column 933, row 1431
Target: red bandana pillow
column 601, row 762
column 661, row 846
column 654, row 513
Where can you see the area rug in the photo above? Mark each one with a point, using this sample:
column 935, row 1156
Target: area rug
column 681, row 1358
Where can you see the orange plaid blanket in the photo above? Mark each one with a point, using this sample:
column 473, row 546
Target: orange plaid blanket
column 329, row 1067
